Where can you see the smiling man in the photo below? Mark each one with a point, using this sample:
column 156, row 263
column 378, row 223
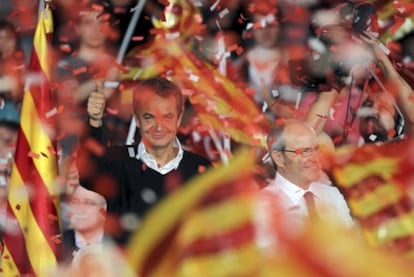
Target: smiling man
column 142, row 175
column 300, row 184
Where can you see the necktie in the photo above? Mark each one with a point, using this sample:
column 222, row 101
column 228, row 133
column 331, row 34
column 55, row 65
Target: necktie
column 310, row 204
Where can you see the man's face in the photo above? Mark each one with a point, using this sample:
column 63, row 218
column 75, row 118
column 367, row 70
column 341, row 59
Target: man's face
column 377, row 118
column 8, row 44
column 266, row 36
column 90, row 30
column 295, row 167
column 158, row 119
column 87, row 210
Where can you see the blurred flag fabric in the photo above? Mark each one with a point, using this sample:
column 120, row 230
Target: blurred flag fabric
column 32, row 236
column 222, row 225
column 218, row 101
column 377, row 181
column 193, row 231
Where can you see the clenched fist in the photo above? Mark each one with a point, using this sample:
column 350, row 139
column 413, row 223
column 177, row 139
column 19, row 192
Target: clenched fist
column 96, row 105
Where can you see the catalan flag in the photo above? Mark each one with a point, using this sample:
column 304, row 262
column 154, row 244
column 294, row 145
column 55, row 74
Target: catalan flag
column 377, row 182
column 31, row 239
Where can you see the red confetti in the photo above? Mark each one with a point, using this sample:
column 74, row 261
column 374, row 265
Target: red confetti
column 155, row 31
column 118, row 10
column 232, row 47
column 61, row 135
column 299, row 151
column 80, row 70
column 52, row 217
column 94, row 146
column 201, row 168
column 144, row 166
column 391, row 133
column 56, row 239
column 97, row 7
column 280, row 121
column 239, row 50
column 65, row 48
column 120, row 67
column 112, row 111
column 399, row 21
column 137, row 38
column 33, row 155
column 51, row 150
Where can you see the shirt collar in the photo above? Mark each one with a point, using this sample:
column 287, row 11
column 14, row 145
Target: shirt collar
column 294, row 192
column 150, row 161
column 79, row 244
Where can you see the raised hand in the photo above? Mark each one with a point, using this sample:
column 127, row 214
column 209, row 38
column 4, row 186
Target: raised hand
column 96, row 105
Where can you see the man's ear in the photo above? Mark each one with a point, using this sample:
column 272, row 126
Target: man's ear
column 277, row 158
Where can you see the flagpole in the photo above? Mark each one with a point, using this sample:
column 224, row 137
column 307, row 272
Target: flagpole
column 121, row 54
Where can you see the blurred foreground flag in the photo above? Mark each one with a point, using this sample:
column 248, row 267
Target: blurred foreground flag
column 32, row 235
column 378, row 183
column 221, row 225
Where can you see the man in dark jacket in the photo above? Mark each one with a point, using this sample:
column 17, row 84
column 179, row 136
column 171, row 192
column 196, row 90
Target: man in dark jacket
column 135, row 178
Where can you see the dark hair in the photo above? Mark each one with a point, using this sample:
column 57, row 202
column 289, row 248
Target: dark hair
column 161, row 87
column 12, row 125
column 8, row 26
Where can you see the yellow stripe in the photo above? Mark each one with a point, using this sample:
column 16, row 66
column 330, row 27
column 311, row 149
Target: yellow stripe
column 235, row 262
column 393, row 229
column 216, row 220
column 168, row 212
column 8, row 266
column 353, row 173
column 40, row 254
column 40, row 43
column 39, row 142
column 375, row 200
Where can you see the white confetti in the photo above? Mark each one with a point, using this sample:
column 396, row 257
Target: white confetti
column 51, row 113
column 224, row 12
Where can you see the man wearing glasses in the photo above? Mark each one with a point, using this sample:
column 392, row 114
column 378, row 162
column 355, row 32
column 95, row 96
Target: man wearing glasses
column 301, row 186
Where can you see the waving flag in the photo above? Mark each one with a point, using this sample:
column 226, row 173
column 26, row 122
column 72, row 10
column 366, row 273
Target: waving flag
column 377, row 183
column 31, row 238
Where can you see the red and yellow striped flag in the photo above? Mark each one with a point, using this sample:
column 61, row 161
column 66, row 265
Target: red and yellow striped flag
column 31, row 239
column 377, row 183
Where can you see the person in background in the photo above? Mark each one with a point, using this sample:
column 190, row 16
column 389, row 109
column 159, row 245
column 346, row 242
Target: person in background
column 87, row 213
column 301, row 186
column 93, row 58
column 12, row 70
column 8, row 138
column 138, row 177
column 387, row 112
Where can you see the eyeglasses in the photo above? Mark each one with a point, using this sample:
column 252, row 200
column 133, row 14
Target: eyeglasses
column 304, row 152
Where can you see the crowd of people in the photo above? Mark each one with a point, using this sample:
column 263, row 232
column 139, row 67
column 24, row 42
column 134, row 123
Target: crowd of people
column 318, row 72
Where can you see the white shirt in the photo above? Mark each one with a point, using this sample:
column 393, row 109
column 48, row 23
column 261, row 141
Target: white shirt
column 329, row 202
column 79, row 244
column 150, row 161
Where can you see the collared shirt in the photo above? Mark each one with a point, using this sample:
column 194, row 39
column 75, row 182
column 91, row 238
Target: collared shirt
column 150, row 161
column 329, row 202
column 79, row 244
